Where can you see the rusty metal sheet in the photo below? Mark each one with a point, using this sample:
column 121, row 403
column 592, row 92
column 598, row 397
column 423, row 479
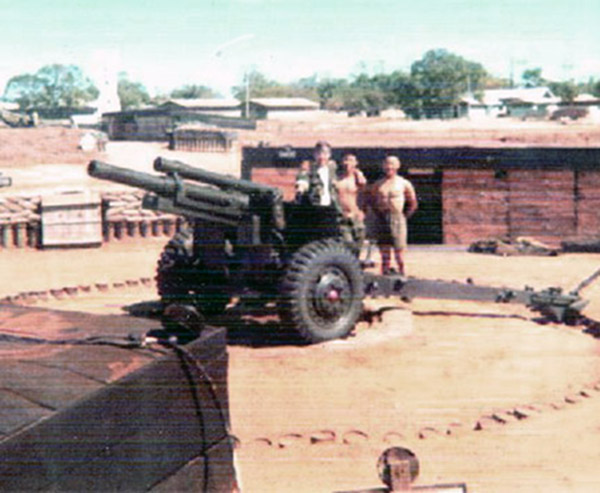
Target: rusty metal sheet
column 89, row 417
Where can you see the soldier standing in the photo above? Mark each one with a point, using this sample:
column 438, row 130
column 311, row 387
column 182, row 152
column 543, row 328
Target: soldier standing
column 393, row 201
column 317, row 184
column 350, row 187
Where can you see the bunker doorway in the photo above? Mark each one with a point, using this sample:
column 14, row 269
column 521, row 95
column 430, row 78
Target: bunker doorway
column 426, row 225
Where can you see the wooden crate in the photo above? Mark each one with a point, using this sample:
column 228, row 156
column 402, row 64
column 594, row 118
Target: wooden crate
column 71, row 219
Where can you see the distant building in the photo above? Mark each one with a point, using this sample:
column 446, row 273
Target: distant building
column 530, row 102
column 587, row 100
column 225, row 107
column 8, row 106
column 283, row 109
column 157, row 123
column 590, row 103
column 393, row 114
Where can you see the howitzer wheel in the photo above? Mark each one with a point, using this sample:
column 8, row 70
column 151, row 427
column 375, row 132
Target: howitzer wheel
column 322, row 291
column 181, row 279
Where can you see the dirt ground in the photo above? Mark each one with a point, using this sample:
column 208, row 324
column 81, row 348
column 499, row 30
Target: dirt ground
column 482, row 393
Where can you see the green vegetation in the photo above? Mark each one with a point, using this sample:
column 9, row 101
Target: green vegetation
column 432, row 88
column 193, row 91
column 52, row 86
column 131, row 94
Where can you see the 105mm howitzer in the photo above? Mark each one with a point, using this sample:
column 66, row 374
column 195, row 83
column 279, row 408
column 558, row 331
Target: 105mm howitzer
column 242, row 237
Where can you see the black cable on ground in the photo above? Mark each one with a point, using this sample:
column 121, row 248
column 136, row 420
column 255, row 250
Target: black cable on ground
column 189, row 361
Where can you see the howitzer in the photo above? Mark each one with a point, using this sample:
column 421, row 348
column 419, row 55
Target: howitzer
column 242, row 238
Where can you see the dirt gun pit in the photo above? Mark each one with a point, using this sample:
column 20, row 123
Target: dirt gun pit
column 452, row 381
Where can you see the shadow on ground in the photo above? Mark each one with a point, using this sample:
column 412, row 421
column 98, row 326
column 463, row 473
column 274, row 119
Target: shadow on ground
column 248, row 324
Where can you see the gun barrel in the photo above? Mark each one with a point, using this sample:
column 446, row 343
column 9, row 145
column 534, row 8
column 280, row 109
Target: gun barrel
column 165, row 186
column 156, row 184
column 217, row 179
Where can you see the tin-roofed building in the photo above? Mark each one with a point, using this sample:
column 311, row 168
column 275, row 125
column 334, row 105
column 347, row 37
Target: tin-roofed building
column 158, row 122
column 517, row 102
column 225, row 107
column 283, row 108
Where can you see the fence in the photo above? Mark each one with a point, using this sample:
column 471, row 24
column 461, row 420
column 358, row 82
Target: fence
column 201, row 140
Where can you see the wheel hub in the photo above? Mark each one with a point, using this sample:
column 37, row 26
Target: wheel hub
column 333, row 295
column 330, row 299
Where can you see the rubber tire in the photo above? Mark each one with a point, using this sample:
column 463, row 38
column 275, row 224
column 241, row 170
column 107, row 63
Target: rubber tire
column 300, row 308
column 180, row 278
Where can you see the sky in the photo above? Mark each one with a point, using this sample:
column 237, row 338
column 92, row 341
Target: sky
column 165, row 44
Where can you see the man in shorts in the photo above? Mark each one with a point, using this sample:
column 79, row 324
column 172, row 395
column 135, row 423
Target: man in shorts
column 393, row 201
column 350, row 187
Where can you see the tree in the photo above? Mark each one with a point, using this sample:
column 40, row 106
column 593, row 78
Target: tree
column 399, row 89
column 131, row 94
column 259, row 86
column 567, row 91
column 306, row 87
column 23, row 89
column 441, row 78
column 329, row 93
column 592, row 87
column 532, row 77
column 52, row 86
column 193, row 91
column 492, row 82
column 361, row 94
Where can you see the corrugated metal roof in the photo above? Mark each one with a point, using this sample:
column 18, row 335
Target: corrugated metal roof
column 6, row 105
column 587, row 98
column 203, row 103
column 499, row 97
column 285, row 102
column 533, row 95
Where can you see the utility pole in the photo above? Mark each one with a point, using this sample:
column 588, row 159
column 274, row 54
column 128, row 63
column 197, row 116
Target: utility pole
column 225, row 46
column 247, row 78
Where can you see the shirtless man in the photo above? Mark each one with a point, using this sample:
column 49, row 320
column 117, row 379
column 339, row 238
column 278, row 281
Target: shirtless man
column 349, row 187
column 393, row 201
